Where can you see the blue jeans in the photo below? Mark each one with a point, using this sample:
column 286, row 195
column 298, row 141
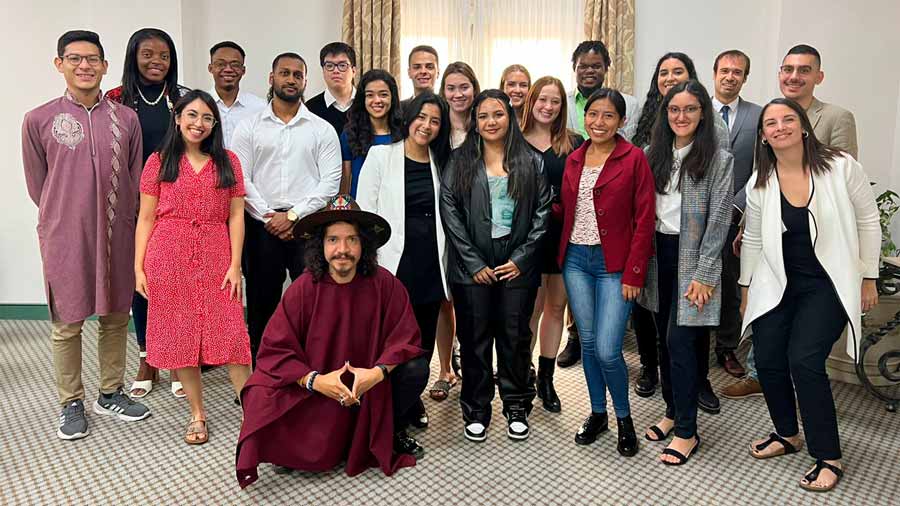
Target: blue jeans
column 751, row 364
column 595, row 298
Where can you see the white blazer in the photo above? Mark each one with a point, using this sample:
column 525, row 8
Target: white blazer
column 846, row 237
column 382, row 190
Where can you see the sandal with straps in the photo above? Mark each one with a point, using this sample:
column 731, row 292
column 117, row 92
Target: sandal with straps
column 143, row 385
column 786, row 447
column 197, row 432
column 682, row 459
column 660, row 435
column 807, row 482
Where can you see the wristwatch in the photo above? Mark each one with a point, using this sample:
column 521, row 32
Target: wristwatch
column 292, row 216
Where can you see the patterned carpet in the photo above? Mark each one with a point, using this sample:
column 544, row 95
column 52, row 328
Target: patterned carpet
column 147, row 462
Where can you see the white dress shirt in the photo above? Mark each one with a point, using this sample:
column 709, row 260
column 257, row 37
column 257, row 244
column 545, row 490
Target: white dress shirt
column 329, row 99
column 732, row 109
column 668, row 206
column 245, row 105
column 294, row 165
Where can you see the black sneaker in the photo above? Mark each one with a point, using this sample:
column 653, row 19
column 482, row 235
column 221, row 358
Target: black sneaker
column 476, row 431
column 72, row 422
column 594, row 425
column 121, row 406
column 707, row 400
column 403, row 444
column 645, row 386
column 517, row 423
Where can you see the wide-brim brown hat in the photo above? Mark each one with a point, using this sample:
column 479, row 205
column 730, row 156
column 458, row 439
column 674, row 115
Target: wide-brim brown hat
column 344, row 208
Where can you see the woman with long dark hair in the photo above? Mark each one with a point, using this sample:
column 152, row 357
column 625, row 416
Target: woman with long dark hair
column 374, row 118
column 809, row 262
column 459, row 86
column 401, row 183
column 544, row 127
column 495, row 202
column 693, row 212
column 188, row 243
column 150, row 87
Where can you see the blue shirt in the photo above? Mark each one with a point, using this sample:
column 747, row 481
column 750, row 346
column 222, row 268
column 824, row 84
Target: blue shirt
column 502, row 206
column 356, row 162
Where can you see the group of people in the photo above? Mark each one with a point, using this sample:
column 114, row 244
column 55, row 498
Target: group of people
column 458, row 214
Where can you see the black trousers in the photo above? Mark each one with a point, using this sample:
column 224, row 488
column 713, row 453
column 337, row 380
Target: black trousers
column 265, row 260
column 408, row 380
column 139, row 315
column 791, row 343
column 487, row 315
column 680, row 348
column 728, row 334
column 426, row 317
column 645, row 334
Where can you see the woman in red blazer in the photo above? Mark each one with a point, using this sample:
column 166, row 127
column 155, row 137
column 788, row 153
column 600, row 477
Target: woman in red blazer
column 608, row 212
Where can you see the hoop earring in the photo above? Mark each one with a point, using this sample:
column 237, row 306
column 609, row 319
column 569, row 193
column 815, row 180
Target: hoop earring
column 805, row 134
column 764, row 141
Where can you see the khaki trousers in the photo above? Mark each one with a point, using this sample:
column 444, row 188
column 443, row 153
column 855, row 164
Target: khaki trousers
column 66, row 339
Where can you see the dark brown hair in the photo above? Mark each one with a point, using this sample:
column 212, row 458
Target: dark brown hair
column 314, row 253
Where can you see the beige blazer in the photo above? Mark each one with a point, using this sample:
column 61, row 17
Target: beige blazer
column 834, row 126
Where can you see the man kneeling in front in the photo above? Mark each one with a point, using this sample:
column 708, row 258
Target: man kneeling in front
column 340, row 364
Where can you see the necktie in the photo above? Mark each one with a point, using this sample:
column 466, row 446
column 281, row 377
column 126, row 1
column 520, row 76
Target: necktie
column 725, row 110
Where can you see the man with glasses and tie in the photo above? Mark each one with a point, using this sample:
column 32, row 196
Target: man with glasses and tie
column 338, row 61
column 82, row 159
column 730, row 72
column 226, row 64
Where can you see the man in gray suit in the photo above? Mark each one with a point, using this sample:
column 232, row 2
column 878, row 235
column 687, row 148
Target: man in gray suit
column 730, row 72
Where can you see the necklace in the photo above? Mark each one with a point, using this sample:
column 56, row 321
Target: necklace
column 161, row 95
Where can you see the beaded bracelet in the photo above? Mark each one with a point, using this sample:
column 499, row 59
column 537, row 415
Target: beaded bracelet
column 309, row 381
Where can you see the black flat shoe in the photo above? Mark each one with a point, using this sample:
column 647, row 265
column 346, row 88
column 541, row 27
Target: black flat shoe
column 403, row 444
column 645, row 386
column 628, row 443
column 707, row 400
column 593, row 426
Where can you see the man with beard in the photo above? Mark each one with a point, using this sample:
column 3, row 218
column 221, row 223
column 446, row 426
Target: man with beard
column 226, row 64
column 590, row 61
column 341, row 360
column 292, row 165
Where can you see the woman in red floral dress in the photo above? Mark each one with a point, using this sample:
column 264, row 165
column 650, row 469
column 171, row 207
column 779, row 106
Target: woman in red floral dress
column 188, row 254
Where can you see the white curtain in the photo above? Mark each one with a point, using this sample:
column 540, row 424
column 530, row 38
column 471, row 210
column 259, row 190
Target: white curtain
column 489, row 35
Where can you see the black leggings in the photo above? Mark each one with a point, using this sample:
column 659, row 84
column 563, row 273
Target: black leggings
column 791, row 343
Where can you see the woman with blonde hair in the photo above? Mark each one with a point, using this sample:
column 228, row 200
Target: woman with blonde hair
column 515, row 82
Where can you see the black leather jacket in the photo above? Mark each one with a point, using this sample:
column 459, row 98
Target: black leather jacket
column 467, row 222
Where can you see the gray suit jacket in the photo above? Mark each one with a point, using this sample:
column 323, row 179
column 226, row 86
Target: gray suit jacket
column 742, row 143
column 834, row 126
column 705, row 219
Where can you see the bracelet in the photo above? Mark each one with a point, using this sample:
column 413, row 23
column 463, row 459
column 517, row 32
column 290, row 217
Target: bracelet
column 309, row 381
column 384, row 369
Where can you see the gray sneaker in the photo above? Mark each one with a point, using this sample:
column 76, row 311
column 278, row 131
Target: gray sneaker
column 121, row 406
column 72, row 422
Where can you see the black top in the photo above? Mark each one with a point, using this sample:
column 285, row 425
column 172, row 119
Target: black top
column 331, row 114
column 555, row 165
column 799, row 256
column 154, row 119
column 419, row 270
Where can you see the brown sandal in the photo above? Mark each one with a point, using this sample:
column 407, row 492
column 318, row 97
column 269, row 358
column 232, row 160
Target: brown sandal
column 197, row 432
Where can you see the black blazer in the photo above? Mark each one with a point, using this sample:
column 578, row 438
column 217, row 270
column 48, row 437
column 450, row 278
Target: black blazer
column 467, row 222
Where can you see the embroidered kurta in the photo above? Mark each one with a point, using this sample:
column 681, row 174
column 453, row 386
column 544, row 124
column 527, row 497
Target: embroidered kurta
column 82, row 169
column 190, row 319
column 319, row 326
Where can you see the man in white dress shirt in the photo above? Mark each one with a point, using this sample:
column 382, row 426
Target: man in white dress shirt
column 291, row 160
column 226, row 64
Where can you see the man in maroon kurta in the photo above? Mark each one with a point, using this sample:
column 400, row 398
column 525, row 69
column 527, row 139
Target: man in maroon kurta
column 82, row 159
column 318, row 395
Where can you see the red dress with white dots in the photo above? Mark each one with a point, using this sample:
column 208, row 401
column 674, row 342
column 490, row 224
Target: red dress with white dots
column 190, row 319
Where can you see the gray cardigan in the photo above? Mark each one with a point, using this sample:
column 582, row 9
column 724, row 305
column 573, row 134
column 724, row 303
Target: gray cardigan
column 705, row 218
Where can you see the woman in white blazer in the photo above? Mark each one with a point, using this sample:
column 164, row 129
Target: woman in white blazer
column 809, row 262
column 401, row 182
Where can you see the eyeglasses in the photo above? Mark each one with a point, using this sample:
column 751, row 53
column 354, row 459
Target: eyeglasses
column 207, row 120
column 235, row 65
column 76, row 59
column 688, row 111
column 342, row 66
column 803, row 70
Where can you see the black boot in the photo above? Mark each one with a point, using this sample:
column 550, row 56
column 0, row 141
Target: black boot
column 545, row 389
column 571, row 354
column 593, row 425
column 645, row 386
column 628, row 444
column 403, row 444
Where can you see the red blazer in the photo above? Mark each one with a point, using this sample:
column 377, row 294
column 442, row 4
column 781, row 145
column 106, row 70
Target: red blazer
column 625, row 206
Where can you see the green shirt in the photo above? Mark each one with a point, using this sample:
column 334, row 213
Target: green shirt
column 580, row 102
column 502, row 206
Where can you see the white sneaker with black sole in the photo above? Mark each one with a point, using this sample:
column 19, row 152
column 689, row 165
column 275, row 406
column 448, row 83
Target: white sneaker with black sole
column 517, row 424
column 72, row 422
column 476, row 432
column 121, row 406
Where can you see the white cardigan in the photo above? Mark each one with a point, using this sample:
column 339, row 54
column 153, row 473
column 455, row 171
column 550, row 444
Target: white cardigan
column 845, row 233
column 382, row 190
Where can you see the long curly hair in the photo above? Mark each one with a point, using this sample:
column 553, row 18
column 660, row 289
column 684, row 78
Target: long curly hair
column 644, row 129
column 358, row 129
column 314, row 253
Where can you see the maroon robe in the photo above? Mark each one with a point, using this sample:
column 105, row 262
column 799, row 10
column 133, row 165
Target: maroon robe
column 320, row 326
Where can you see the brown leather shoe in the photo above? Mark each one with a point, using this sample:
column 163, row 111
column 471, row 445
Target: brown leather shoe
column 746, row 387
column 730, row 363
